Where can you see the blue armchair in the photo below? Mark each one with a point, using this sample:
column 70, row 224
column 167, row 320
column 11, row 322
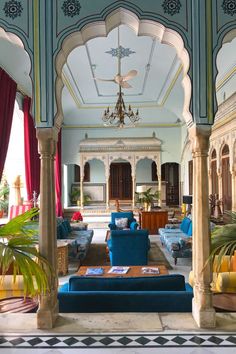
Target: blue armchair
column 132, row 223
column 128, row 247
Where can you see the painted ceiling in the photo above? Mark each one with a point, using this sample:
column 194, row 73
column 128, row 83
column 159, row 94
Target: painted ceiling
column 156, row 90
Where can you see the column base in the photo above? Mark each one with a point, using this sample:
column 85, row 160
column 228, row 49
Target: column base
column 204, row 318
column 46, row 318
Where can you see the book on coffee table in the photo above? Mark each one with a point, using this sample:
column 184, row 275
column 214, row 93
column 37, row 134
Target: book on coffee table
column 150, row 270
column 118, row 270
column 94, row 271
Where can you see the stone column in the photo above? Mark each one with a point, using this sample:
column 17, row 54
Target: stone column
column 107, row 176
column 210, row 181
column 203, row 312
column 233, row 176
column 81, row 186
column 134, row 189
column 220, row 185
column 47, row 140
column 159, row 189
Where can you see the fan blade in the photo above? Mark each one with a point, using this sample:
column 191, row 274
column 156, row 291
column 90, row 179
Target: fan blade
column 130, row 75
column 120, row 81
column 98, row 79
column 125, row 84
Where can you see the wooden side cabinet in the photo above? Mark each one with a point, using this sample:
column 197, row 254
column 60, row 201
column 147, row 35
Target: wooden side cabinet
column 152, row 220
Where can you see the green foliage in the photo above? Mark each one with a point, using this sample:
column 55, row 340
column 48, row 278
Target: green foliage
column 147, row 196
column 75, row 196
column 4, row 196
column 18, row 247
column 223, row 242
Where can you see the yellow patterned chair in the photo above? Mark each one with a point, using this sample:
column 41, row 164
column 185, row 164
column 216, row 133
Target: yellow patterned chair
column 9, row 288
column 223, row 284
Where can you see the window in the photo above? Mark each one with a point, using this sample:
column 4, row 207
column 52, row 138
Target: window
column 154, row 171
column 86, row 173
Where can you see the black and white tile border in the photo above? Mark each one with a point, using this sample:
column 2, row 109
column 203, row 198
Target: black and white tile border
column 217, row 340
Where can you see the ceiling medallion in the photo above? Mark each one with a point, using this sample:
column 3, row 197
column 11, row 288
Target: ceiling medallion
column 13, row 9
column 229, row 7
column 71, row 8
column 171, row 7
column 120, row 52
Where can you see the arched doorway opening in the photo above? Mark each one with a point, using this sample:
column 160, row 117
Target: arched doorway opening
column 226, row 178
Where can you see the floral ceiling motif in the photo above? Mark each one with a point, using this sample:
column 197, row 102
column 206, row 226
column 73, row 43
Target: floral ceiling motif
column 120, row 52
column 71, row 8
column 229, row 7
column 13, row 9
column 171, row 7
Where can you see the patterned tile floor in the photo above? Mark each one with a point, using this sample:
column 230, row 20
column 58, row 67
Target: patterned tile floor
column 118, row 343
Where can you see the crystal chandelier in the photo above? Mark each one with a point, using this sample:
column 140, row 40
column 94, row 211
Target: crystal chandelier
column 117, row 117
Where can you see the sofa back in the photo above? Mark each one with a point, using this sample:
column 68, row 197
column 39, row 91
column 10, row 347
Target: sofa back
column 186, row 226
column 129, row 247
column 63, row 228
column 126, row 214
column 172, row 282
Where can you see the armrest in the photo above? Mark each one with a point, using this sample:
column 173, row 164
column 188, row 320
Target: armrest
column 185, row 242
column 133, row 225
column 112, row 226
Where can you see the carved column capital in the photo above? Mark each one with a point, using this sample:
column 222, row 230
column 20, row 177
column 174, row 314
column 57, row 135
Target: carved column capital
column 47, row 141
column 199, row 137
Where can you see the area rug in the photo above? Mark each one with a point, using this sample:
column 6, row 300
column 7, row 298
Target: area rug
column 97, row 256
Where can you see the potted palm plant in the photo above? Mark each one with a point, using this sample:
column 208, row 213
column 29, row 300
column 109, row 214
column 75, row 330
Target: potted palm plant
column 4, row 194
column 18, row 249
column 147, row 198
column 223, row 241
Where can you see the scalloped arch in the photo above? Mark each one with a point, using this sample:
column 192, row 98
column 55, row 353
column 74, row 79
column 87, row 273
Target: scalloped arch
column 16, row 39
column 141, row 28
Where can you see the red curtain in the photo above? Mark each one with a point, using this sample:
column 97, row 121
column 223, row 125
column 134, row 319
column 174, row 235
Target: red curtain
column 58, row 177
column 32, row 161
column 7, row 101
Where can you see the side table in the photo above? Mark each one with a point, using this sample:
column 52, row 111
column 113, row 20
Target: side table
column 62, row 257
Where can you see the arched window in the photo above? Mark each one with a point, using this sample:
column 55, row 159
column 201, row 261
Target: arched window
column 226, row 179
column 154, row 171
column 86, row 173
column 214, row 176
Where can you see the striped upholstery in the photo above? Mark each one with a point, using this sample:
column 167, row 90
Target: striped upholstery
column 18, row 209
column 9, row 288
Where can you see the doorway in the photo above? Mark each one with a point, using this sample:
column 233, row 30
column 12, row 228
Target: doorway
column 120, row 181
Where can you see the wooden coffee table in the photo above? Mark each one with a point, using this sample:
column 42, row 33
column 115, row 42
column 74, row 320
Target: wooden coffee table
column 134, row 271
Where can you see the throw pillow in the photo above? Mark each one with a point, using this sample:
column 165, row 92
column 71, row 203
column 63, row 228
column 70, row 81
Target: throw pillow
column 121, row 223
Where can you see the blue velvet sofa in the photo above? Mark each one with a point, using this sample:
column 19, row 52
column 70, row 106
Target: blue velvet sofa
column 132, row 223
column 165, row 293
column 178, row 240
column 128, row 247
column 80, row 240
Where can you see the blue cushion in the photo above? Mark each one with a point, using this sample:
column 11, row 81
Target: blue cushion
column 185, row 224
column 67, row 225
column 61, row 231
column 190, row 229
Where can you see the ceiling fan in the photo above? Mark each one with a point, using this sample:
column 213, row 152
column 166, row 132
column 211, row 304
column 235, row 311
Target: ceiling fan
column 119, row 79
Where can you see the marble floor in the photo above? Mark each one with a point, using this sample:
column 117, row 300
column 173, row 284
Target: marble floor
column 119, row 333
